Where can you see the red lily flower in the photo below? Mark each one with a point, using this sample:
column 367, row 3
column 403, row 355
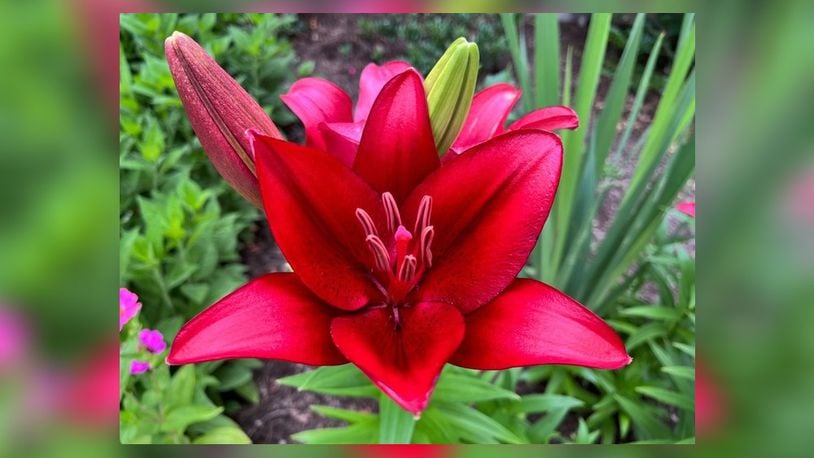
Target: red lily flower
column 402, row 265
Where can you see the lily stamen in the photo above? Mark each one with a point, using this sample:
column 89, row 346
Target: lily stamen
column 367, row 222
column 380, row 256
column 391, row 211
column 408, row 269
column 422, row 219
column 425, row 245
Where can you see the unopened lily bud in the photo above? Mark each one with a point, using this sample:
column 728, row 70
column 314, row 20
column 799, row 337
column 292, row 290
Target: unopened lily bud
column 220, row 111
column 450, row 86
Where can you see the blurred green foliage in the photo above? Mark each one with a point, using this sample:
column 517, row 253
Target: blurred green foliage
column 181, row 224
column 420, row 38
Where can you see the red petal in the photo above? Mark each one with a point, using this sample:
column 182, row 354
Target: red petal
column 342, row 139
column 219, row 111
column 310, row 200
column 532, row 323
column 273, row 316
column 487, row 116
column 371, row 81
column 405, row 362
column 548, row 118
column 489, row 206
column 397, row 149
column 314, row 101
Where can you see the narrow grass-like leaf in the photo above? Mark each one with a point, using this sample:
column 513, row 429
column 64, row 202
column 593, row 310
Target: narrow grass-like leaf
column 641, row 92
column 665, row 111
column 645, row 333
column 536, row 403
column 547, row 262
column 615, row 99
column 475, row 425
column 350, row 416
column 395, row 424
column 519, row 58
column 592, row 58
column 545, row 427
column 639, row 217
column 684, row 372
column 345, row 380
column 433, row 424
column 360, row 433
column 654, row 312
column 644, row 420
column 546, row 59
column 685, row 348
column 668, row 397
column 454, row 387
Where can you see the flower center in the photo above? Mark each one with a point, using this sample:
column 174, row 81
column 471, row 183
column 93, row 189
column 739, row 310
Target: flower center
column 399, row 256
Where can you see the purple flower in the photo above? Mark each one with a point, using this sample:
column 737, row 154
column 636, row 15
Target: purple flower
column 152, row 340
column 128, row 306
column 139, row 367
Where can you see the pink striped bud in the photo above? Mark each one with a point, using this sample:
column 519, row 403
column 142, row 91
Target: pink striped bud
column 220, row 111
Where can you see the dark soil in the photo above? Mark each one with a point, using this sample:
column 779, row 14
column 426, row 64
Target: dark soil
column 283, row 411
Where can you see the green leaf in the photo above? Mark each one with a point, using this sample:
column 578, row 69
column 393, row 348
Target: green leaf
column 395, row 424
column 345, row 380
column 360, row 433
column 545, row 428
column 546, row 59
column 654, row 312
column 686, row 349
column 645, row 333
column 182, row 387
column 638, row 101
column 232, row 375
column 574, row 141
column 614, row 102
column 249, row 392
column 224, row 435
column 666, row 109
column 459, row 387
column 476, row 426
column 350, row 416
column 179, row 418
column 668, row 397
column 535, row 403
column 152, row 141
column 648, row 424
column 684, row 372
column 517, row 49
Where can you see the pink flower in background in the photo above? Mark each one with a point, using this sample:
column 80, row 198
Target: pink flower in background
column 128, row 306
column 687, row 207
column 13, row 339
column 89, row 393
column 139, row 367
column 152, row 340
column 709, row 402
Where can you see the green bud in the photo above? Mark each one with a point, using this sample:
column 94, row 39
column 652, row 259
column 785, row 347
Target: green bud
column 450, row 86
